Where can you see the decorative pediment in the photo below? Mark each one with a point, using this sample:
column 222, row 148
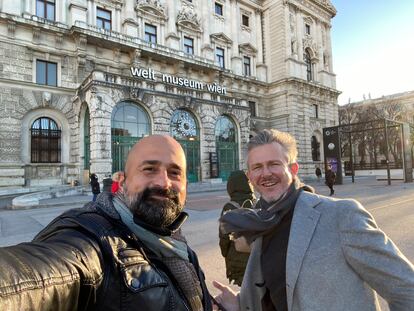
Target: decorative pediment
column 130, row 21
column 110, row 3
column 308, row 20
column 221, row 38
column 188, row 18
column 247, row 48
column 151, row 7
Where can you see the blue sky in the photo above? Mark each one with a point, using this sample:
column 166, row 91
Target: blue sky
column 373, row 47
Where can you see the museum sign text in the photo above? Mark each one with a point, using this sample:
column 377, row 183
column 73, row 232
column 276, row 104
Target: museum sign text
column 149, row 74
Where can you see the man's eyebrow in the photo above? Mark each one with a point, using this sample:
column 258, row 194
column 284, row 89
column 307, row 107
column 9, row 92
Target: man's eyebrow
column 150, row 162
column 175, row 166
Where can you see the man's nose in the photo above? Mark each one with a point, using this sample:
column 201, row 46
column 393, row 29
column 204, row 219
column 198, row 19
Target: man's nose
column 162, row 179
column 266, row 170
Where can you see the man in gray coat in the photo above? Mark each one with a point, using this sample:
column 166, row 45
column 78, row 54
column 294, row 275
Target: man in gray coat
column 310, row 252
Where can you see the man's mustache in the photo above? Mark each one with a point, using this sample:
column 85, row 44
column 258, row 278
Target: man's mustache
column 156, row 191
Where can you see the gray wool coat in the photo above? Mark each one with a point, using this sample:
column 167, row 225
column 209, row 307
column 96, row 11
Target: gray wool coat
column 337, row 259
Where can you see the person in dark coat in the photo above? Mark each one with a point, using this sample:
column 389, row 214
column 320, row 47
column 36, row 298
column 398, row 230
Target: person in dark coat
column 318, row 173
column 96, row 189
column 241, row 196
column 122, row 252
column 330, row 177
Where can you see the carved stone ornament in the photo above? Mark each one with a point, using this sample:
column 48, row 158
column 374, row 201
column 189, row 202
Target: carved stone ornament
column 153, row 7
column 11, row 28
column 46, row 99
column 309, row 44
column 36, row 35
column 188, row 18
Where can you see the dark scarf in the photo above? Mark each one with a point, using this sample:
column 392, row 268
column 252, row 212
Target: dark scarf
column 171, row 249
column 252, row 223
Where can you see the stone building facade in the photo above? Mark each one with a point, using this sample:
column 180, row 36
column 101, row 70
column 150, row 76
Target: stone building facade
column 82, row 80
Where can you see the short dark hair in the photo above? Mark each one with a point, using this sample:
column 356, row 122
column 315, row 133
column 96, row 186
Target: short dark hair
column 268, row 136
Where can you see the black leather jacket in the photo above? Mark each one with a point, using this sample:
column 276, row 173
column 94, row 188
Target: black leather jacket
column 86, row 259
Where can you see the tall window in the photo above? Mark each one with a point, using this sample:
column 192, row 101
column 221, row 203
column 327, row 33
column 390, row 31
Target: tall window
column 188, row 45
column 246, row 66
column 308, row 62
column 150, row 33
column 245, row 20
column 46, row 9
column 46, row 73
column 218, row 8
column 307, row 29
column 220, row 57
column 315, row 110
column 45, row 141
column 252, row 106
column 103, row 19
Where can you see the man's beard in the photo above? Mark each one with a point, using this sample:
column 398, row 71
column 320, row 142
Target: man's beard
column 153, row 211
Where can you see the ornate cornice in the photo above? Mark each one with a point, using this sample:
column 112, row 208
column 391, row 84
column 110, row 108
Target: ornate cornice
column 327, row 5
column 319, row 8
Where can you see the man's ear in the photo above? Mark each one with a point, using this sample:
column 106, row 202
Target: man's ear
column 294, row 168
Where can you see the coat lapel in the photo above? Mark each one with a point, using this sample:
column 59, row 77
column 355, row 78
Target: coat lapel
column 305, row 219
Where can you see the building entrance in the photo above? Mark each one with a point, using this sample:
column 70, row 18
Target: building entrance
column 227, row 147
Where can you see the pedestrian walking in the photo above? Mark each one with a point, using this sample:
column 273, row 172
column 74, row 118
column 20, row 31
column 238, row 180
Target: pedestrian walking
column 96, row 189
column 241, row 195
column 330, row 178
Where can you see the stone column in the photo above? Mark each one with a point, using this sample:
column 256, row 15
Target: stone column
column 259, row 38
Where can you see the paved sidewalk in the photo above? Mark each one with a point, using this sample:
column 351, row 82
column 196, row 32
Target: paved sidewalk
column 20, row 225
column 363, row 188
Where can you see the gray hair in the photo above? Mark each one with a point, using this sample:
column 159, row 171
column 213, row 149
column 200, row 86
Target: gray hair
column 268, row 136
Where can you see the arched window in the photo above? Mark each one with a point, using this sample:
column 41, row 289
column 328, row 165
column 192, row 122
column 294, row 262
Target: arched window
column 316, row 154
column 225, row 130
column 308, row 61
column 128, row 119
column 130, row 123
column 45, row 141
column 184, row 125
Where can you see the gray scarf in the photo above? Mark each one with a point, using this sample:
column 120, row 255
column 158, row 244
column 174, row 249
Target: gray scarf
column 252, row 223
column 171, row 251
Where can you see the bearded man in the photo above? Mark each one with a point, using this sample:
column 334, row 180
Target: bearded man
column 118, row 253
